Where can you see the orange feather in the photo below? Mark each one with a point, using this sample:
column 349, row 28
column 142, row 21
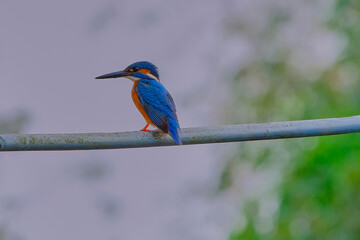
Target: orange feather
column 138, row 105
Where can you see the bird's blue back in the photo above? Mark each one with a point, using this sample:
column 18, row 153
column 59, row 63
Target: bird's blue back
column 159, row 106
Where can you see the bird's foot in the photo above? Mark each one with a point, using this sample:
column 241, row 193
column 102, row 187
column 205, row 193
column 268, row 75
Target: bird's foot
column 145, row 129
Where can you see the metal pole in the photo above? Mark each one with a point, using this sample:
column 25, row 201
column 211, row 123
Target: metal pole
column 200, row 135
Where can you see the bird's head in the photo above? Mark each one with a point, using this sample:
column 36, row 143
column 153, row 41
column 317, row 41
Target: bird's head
column 136, row 71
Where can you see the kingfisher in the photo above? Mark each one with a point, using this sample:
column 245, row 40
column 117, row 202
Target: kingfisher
column 151, row 98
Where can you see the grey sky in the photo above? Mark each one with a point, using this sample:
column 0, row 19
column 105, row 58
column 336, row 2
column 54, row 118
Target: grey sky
column 50, row 52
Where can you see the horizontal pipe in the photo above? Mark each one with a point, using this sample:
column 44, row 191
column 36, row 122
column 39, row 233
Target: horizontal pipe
column 199, row 135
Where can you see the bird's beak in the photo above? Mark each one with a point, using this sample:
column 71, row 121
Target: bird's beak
column 115, row 75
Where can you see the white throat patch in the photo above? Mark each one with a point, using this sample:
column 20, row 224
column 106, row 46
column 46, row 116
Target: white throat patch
column 134, row 79
column 153, row 77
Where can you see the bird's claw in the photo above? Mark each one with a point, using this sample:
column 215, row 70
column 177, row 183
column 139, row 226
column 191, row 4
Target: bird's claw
column 145, row 129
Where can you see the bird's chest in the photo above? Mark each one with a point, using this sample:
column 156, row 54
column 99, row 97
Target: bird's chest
column 135, row 98
column 134, row 95
column 134, row 92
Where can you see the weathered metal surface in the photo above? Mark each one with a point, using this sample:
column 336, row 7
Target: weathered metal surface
column 201, row 135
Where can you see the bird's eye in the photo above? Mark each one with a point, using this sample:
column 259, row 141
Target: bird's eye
column 135, row 69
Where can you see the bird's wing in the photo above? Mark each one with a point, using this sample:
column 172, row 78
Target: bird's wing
column 157, row 103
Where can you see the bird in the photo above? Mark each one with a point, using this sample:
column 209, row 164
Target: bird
column 151, row 98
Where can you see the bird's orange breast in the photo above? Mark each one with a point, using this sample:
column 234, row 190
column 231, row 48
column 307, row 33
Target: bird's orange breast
column 135, row 98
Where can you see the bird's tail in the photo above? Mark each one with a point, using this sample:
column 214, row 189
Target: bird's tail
column 174, row 130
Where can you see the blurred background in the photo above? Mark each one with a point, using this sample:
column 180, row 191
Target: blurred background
column 224, row 62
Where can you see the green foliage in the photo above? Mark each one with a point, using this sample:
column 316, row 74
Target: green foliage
column 318, row 192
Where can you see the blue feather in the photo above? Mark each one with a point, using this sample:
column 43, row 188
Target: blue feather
column 159, row 106
column 174, row 130
column 147, row 65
